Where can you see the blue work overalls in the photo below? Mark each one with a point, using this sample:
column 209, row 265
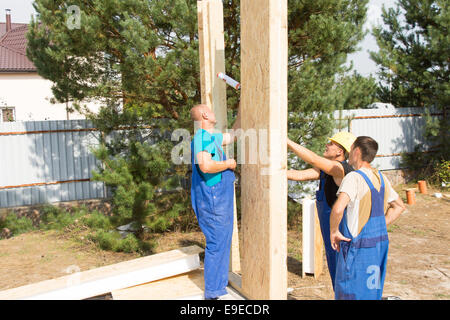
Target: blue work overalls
column 323, row 212
column 361, row 263
column 213, row 207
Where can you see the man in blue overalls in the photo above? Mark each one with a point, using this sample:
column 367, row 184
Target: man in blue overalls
column 212, row 196
column 330, row 170
column 366, row 204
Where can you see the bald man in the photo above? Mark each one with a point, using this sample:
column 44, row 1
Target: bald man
column 212, row 196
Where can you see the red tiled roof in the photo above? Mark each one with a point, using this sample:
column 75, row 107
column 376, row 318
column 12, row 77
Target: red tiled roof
column 14, row 61
column 13, row 26
column 13, row 46
column 16, row 39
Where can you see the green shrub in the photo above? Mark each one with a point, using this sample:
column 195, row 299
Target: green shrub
column 129, row 244
column 426, row 166
column 97, row 220
column 105, row 240
column 54, row 218
column 113, row 241
column 294, row 214
column 442, row 172
column 101, row 231
column 17, row 225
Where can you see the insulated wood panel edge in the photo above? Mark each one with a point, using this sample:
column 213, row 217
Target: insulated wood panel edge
column 213, row 90
column 318, row 246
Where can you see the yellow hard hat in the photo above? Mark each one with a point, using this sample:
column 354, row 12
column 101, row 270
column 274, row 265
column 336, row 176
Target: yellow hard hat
column 345, row 139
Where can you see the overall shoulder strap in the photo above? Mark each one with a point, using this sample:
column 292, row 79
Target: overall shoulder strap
column 366, row 178
column 321, row 179
column 381, row 180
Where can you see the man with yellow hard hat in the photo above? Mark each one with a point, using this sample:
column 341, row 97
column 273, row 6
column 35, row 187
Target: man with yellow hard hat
column 330, row 170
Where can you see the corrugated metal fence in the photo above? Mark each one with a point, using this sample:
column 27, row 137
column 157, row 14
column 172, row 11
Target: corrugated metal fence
column 51, row 161
column 397, row 130
column 47, row 161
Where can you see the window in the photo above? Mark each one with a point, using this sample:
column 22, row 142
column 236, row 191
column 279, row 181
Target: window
column 8, row 114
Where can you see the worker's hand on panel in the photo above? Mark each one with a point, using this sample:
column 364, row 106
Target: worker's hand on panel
column 231, row 164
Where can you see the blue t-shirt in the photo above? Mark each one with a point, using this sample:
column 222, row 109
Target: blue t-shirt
column 211, row 143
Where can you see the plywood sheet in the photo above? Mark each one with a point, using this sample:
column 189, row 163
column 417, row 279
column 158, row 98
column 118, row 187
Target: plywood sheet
column 212, row 58
column 184, row 285
column 213, row 90
column 264, row 183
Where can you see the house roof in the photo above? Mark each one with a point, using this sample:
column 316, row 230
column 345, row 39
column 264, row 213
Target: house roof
column 13, row 49
column 13, row 26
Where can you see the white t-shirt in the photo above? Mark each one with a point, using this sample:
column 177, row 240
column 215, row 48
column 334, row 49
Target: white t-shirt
column 359, row 207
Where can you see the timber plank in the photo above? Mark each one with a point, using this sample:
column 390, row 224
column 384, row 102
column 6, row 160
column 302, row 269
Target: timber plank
column 264, row 184
column 213, row 90
column 187, row 284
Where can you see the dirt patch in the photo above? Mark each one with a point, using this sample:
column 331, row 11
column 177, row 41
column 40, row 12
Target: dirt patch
column 419, row 252
column 38, row 256
column 418, row 262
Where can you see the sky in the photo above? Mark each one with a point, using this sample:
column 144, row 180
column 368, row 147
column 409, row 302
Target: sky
column 21, row 11
column 361, row 59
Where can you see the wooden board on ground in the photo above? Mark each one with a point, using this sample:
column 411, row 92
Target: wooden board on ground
column 264, row 113
column 187, row 286
column 102, row 280
column 184, row 285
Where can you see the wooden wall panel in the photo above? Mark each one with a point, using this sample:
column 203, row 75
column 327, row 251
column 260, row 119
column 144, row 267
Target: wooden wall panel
column 213, row 90
column 212, row 58
column 264, row 184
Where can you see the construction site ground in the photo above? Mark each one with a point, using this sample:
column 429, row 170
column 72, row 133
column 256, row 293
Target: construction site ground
column 418, row 261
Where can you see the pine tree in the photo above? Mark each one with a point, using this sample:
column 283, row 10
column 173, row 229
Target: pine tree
column 140, row 59
column 130, row 50
column 322, row 34
column 357, row 92
column 413, row 62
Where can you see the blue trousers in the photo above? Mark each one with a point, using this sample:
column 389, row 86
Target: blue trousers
column 214, row 209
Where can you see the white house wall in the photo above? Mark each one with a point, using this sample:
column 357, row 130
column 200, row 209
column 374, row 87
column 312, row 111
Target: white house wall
column 30, row 95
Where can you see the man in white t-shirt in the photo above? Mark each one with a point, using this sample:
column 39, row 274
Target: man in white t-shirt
column 366, row 204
